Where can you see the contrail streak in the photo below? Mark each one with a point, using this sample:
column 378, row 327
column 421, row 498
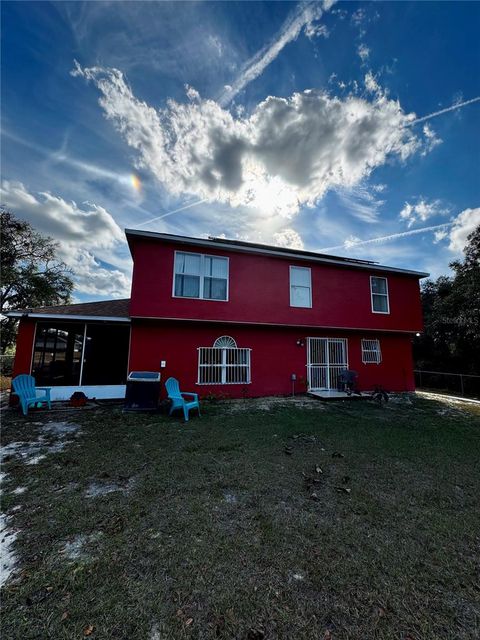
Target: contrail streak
column 393, row 236
column 290, row 30
column 61, row 158
column 442, row 111
column 169, row 213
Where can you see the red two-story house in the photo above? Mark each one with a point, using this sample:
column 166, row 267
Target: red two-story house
column 233, row 318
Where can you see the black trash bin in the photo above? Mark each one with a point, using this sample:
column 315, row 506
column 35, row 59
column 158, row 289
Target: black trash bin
column 143, row 391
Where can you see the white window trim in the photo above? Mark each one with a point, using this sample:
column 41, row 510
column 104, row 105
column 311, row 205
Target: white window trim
column 387, row 295
column 377, row 351
column 297, row 306
column 224, row 366
column 202, row 276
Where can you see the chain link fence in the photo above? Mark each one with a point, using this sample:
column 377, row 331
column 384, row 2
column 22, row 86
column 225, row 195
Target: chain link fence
column 459, row 384
column 6, row 365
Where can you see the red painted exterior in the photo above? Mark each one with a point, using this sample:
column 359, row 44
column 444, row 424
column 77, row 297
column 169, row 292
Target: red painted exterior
column 259, row 292
column 275, row 356
column 258, row 316
column 23, row 353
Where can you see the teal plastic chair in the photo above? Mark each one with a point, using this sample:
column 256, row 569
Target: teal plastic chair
column 24, row 387
column 178, row 400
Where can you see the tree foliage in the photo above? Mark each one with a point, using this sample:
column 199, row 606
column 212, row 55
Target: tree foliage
column 451, row 308
column 31, row 275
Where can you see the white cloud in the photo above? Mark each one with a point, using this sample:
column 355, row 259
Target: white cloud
column 421, row 211
column 314, row 31
column 192, row 94
column 358, row 17
column 216, row 45
column 363, row 52
column 371, row 83
column 351, row 241
column 91, row 278
column 361, row 203
column 286, row 154
column 288, row 238
column 431, row 139
column 440, row 235
column 86, row 236
column 464, row 224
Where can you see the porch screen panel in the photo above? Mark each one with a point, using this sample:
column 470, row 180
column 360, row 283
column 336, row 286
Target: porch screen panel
column 57, row 353
column 106, row 354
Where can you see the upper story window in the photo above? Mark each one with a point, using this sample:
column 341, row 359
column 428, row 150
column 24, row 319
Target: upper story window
column 199, row 276
column 300, row 287
column 379, row 295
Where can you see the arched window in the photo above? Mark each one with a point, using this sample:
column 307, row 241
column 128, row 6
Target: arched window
column 224, row 363
column 225, row 342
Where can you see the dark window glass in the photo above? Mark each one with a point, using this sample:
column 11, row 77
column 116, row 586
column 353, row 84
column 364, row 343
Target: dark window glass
column 215, row 289
column 380, row 303
column 187, row 286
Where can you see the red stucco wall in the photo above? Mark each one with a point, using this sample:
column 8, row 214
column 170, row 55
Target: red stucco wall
column 275, row 356
column 259, row 292
column 23, row 353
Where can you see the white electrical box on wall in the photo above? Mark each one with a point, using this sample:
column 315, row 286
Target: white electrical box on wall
column 163, row 364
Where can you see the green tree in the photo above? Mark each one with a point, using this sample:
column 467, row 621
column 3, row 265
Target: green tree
column 31, row 275
column 451, row 309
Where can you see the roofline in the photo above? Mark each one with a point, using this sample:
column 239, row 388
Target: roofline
column 66, row 316
column 250, row 247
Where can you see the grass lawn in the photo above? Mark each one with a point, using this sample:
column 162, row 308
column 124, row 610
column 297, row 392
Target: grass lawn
column 346, row 520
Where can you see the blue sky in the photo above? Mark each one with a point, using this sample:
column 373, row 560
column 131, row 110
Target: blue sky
column 299, row 124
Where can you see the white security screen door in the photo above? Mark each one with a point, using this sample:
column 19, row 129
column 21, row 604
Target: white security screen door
column 326, row 358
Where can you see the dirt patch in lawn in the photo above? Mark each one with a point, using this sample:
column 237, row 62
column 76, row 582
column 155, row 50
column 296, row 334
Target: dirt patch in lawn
column 99, row 489
column 80, row 547
column 272, row 403
column 8, row 558
column 51, row 437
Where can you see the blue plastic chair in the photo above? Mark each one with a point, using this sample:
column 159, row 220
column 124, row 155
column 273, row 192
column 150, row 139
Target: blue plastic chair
column 178, row 401
column 25, row 389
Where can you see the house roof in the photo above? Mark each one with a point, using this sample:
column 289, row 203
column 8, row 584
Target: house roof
column 252, row 247
column 107, row 310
